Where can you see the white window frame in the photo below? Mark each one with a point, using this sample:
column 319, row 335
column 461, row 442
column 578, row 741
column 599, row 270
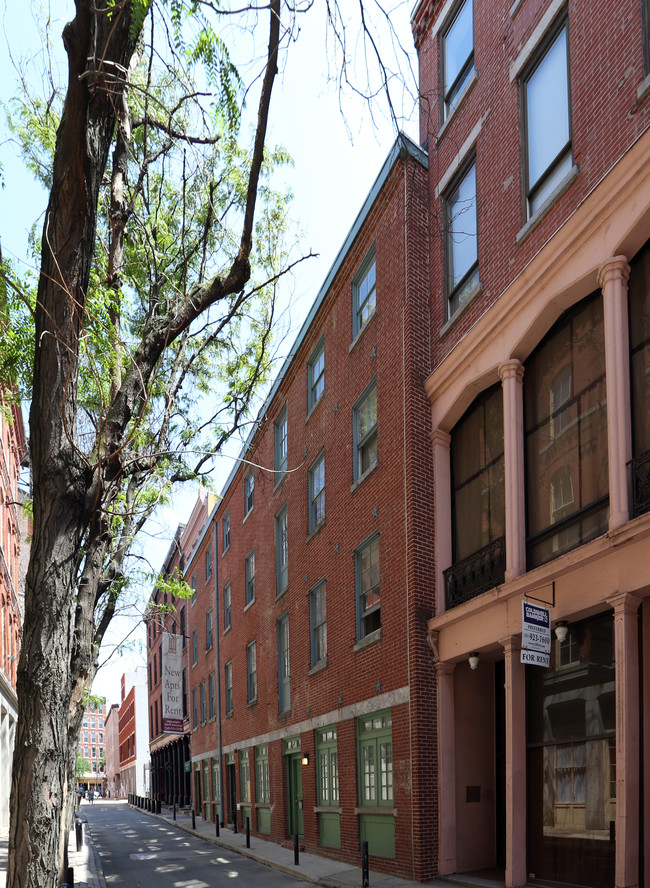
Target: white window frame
column 452, row 91
column 317, row 492
column 316, row 375
column 249, row 567
column 282, row 551
column 364, row 294
column 363, row 440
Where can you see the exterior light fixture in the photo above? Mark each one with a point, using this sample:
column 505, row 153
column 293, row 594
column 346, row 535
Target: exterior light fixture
column 473, row 660
column 305, row 758
column 561, row 630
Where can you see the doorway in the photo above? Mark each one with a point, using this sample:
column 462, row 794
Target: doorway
column 231, row 780
column 294, row 794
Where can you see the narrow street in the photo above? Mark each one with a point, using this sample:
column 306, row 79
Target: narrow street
column 139, row 851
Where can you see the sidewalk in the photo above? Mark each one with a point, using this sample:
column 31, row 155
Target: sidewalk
column 311, row 868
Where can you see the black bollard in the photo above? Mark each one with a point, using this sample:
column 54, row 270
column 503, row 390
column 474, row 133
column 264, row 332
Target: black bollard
column 296, row 850
column 158, row 806
column 78, row 831
column 174, row 810
column 69, row 876
column 193, row 819
column 216, row 825
column 234, row 823
column 365, row 873
column 248, row 832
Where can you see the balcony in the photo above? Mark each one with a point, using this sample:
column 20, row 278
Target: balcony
column 641, row 484
column 475, row 574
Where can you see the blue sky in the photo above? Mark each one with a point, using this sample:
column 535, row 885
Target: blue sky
column 336, row 160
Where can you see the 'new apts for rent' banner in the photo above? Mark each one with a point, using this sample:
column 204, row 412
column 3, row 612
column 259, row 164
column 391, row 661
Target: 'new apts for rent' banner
column 172, row 667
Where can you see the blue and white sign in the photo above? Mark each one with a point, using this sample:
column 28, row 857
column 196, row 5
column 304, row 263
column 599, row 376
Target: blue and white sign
column 535, row 634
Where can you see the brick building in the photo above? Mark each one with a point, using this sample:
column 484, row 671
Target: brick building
column 169, row 742
column 133, row 734
column 313, row 646
column 91, row 746
column 536, row 116
column 112, row 785
column 12, row 451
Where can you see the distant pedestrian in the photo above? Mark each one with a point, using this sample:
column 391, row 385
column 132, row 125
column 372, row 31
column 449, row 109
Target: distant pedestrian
column 91, row 795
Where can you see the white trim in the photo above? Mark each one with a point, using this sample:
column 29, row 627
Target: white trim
column 459, row 159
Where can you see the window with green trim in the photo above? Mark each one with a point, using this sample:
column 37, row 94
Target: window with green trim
column 244, row 775
column 262, row 779
column 327, row 767
column 375, row 735
column 367, row 582
column 364, row 292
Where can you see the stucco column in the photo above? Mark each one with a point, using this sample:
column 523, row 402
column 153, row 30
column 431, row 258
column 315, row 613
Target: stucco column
column 442, row 510
column 512, row 374
column 612, row 278
column 515, row 675
column 446, row 768
column 626, row 654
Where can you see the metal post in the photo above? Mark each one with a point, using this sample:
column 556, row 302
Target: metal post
column 158, row 806
column 193, row 819
column 174, row 810
column 78, row 831
column 216, row 823
column 365, row 874
column 296, row 849
column 248, row 832
column 69, row 876
column 234, row 822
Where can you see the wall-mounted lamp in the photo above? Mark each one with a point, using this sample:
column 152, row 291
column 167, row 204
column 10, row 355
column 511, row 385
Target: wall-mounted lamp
column 305, row 758
column 561, row 630
column 473, row 660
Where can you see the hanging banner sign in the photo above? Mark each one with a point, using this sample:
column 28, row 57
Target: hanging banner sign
column 172, row 683
column 535, row 634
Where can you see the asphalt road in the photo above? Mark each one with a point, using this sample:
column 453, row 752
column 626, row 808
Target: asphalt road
column 137, row 851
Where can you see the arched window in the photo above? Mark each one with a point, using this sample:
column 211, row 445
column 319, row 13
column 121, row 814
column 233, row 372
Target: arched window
column 566, row 435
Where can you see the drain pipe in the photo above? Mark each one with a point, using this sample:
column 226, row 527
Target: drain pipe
column 217, row 638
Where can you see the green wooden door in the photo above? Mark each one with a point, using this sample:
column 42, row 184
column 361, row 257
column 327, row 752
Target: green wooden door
column 294, row 778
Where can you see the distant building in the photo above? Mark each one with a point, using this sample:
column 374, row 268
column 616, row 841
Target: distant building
column 112, row 738
column 133, row 734
column 13, row 549
column 92, row 746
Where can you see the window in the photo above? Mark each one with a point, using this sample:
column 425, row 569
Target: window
column 208, row 630
column 249, row 491
column 567, row 479
column 227, row 607
column 317, row 493
column 365, row 432
column 262, row 777
column 375, row 760
column 547, row 121
column 195, row 647
column 228, row 683
column 367, row 580
column 251, row 671
column 212, row 695
column 457, row 55
column 244, row 775
column 318, row 624
column 477, row 476
column 364, row 290
column 316, row 375
column 202, row 689
column 250, row 577
column 184, row 692
column 284, row 672
column 226, row 531
column 639, row 312
column 281, row 453
column 193, row 589
column 327, row 767
column 282, row 551
column 208, row 563
column 195, row 709
column 182, row 618
column 461, row 254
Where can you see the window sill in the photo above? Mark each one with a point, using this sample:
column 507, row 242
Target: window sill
column 280, row 595
column 245, row 518
column 369, row 640
column 314, row 407
column 539, row 214
column 362, row 331
column 225, row 550
column 230, row 714
column 643, row 89
column 226, row 630
column 285, row 714
column 263, row 805
column 461, row 99
column 278, row 483
column 318, row 667
column 249, row 604
column 327, row 809
column 363, row 477
column 478, row 289
column 316, row 530
column 389, row 812
column 251, row 703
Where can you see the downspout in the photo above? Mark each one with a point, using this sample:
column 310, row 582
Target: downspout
column 217, row 637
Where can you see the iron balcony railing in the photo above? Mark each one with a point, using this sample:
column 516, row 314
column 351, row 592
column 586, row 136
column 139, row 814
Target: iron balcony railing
column 476, row 574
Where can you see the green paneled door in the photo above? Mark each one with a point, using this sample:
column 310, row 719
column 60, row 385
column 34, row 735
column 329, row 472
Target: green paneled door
column 294, row 778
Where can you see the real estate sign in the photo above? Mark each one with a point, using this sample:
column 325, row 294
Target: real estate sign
column 535, row 634
column 172, row 683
